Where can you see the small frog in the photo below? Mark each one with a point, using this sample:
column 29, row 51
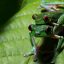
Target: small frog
column 46, row 25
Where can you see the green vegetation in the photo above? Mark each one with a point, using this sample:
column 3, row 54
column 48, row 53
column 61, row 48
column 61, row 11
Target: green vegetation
column 14, row 35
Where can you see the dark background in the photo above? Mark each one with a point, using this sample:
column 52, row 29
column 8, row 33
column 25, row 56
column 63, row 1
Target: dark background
column 7, row 9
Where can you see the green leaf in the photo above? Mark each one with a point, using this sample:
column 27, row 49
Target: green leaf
column 15, row 40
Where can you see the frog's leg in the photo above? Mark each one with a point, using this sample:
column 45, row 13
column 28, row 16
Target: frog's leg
column 34, row 46
column 32, row 40
column 61, row 41
column 48, row 8
column 58, row 49
column 61, row 24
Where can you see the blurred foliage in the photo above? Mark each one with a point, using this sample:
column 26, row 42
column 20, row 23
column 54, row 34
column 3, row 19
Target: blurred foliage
column 7, row 9
column 15, row 17
column 54, row 0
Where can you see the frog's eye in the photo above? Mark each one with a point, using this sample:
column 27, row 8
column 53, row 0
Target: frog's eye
column 35, row 16
column 49, row 30
column 46, row 18
column 30, row 27
column 44, row 11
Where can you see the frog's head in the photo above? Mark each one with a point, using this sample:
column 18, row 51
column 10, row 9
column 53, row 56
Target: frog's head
column 41, row 19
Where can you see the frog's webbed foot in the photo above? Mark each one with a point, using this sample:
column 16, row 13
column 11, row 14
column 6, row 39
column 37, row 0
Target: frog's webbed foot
column 28, row 54
column 32, row 52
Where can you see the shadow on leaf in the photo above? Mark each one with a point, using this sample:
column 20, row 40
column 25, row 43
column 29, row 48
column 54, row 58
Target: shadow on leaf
column 7, row 9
